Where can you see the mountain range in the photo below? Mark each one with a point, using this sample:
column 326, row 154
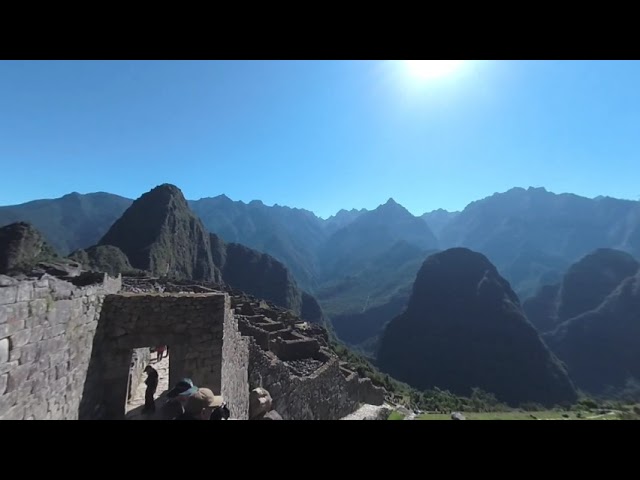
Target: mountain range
column 591, row 320
column 359, row 263
column 435, row 298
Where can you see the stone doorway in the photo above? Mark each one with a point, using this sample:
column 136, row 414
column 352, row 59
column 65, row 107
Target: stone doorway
column 191, row 324
column 137, row 386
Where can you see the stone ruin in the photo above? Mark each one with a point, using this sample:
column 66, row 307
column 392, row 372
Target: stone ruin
column 75, row 349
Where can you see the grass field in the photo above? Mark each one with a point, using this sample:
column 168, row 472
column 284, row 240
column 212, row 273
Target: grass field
column 515, row 415
column 396, row 416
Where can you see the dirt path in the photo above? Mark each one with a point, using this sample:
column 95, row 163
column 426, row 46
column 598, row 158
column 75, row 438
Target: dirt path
column 602, row 415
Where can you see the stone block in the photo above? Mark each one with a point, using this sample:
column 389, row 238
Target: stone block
column 61, row 289
column 56, row 358
column 58, row 330
column 47, row 332
column 8, row 294
column 60, row 313
column 6, row 281
column 42, row 282
column 36, row 334
column 42, row 292
column 3, row 383
column 14, row 354
column 38, row 306
column 17, row 376
column 29, row 354
column 25, row 291
column 14, row 413
column 25, row 391
column 4, row 350
column 61, row 371
column 38, row 410
column 43, row 362
column 20, row 338
column 8, row 400
column 12, row 318
column 8, row 366
column 260, row 402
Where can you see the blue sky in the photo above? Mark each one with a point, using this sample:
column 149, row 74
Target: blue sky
column 321, row 135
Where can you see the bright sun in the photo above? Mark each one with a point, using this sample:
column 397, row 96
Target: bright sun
column 427, row 69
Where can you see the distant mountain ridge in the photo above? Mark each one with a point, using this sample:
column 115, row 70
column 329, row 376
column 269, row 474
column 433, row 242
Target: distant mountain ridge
column 591, row 320
column 70, row 222
column 160, row 234
column 347, row 260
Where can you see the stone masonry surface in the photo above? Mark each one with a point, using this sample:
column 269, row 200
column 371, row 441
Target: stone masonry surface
column 66, row 350
column 47, row 327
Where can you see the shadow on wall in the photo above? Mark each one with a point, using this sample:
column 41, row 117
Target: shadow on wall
column 91, row 407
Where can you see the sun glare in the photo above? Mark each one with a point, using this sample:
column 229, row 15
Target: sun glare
column 428, row 69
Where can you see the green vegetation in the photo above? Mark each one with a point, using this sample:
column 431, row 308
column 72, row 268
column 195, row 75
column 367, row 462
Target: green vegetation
column 401, row 393
column 519, row 415
column 364, row 368
column 585, row 409
column 22, row 247
column 480, row 405
column 103, row 258
column 396, row 416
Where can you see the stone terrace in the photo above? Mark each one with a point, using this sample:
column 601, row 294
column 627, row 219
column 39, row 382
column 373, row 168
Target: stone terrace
column 288, row 357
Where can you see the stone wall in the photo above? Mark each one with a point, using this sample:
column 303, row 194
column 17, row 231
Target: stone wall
column 294, row 347
column 324, row 395
column 235, row 368
column 191, row 324
column 47, row 328
column 66, row 351
column 139, row 360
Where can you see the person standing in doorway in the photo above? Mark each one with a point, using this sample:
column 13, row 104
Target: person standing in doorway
column 152, row 385
column 159, row 352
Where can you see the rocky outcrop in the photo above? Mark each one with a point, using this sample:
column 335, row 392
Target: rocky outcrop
column 261, row 406
column 103, row 258
column 464, row 328
column 23, row 251
column 263, row 276
column 22, row 247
